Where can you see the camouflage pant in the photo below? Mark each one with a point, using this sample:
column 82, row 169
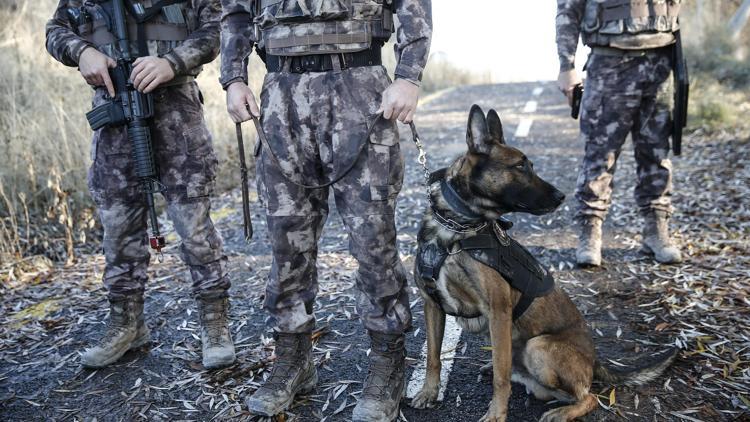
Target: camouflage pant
column 186, row 163
column 626, row 95
column 315, row 124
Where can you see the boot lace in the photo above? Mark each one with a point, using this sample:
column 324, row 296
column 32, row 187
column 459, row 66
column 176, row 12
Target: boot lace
column 215, row 331
column 378, row 379
column 288, row 362
column 117, row 325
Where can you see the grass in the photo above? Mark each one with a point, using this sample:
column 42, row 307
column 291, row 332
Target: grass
column 45, row 207
column 719, row 67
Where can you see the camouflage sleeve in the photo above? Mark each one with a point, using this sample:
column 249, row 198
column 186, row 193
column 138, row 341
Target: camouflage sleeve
column 413, row 38
column 568, row 23
column 62, row 42
column 202, row 45
column 237, row 40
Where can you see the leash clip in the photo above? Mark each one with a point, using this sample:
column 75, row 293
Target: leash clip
column 501, row 234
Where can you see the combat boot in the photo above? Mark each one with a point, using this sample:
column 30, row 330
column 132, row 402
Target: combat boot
column 589, row 252
column 126, row 330
column 385, row 383
column 656, row 238
column 293, row 373
column 218, row 348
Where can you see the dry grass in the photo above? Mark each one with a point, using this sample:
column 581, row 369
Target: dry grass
column 720, row 67
column 44, row 139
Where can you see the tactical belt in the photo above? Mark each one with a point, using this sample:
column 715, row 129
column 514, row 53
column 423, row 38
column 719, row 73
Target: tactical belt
column 99, row 34
column 619, row 52
column 324, row 62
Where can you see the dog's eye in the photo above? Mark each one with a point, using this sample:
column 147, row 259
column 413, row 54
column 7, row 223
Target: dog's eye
column 521, row 165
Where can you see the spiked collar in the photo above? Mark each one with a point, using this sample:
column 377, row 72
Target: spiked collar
column 456, row 204
column 459, row 206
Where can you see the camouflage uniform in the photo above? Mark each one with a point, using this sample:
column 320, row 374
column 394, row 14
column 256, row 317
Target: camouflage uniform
column 316, row 123
column 184, row 156
column 623, row 94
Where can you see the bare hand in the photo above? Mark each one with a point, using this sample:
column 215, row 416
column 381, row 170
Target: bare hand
column 94, row 67
column 149, row 72
column 400, row 101
column 568, row 80
column 241, row 102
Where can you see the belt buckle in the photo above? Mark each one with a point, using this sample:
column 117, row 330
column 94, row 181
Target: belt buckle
column 310, row 63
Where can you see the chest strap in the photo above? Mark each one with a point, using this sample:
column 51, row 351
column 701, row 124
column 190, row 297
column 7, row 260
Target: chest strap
column 496, row 249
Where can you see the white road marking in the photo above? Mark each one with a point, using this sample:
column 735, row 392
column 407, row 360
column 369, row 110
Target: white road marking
column 450, row 341
column 524, row 127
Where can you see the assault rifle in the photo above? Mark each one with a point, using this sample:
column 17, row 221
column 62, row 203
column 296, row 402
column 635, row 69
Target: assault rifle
column 134, row 109
column 681, row 94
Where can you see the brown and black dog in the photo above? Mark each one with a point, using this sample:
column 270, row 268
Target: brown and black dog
column 549, row 348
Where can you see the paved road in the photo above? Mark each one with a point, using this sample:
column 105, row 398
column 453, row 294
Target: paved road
column 166, row 382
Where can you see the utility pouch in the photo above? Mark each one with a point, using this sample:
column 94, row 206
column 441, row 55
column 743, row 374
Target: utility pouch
column 108, row 114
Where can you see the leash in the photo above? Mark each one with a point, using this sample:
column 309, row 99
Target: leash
column 421, row 159
column 248, row 223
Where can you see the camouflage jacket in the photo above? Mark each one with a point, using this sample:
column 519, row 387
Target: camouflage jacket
column 412, row 45
column 186, row 57
column 568, row 23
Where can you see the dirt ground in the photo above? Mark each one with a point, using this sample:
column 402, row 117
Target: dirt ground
column 635, row 307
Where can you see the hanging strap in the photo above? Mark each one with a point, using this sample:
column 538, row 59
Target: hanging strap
column 371, row 128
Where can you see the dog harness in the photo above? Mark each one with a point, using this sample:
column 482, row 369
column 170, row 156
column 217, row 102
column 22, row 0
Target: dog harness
column 492, row 246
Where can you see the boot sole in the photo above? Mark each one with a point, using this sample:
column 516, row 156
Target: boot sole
column 650, row 252
column 219, row 363
column 140, row 341
column 307, row 387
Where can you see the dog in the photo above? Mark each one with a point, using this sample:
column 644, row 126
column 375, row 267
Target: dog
column 548, row 347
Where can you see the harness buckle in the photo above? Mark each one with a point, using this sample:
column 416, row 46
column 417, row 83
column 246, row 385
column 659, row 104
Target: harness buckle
column 501, row 234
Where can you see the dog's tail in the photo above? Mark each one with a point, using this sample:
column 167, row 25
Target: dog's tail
column 636, row 376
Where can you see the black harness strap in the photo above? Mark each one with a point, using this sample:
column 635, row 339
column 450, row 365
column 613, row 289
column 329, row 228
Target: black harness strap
column 494, row 248
column 512, row 261
column 141, row 19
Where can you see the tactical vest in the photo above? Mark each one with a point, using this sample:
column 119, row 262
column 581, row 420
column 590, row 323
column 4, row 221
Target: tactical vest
column 630, row 24
column 493, row 247
column 304, row 27
column 164, row 25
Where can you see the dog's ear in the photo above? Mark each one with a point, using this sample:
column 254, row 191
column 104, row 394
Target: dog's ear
column 495, row 126
column 477, row 133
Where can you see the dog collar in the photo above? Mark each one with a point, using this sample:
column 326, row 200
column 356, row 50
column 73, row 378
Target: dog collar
column 456, row 227
column 457, row 204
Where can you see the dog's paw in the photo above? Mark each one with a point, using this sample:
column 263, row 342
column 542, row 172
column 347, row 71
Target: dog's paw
column 555, row 415
column 494, row 414
column 426, row 398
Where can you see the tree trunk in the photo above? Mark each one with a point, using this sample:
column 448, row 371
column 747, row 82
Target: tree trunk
column 739, row 20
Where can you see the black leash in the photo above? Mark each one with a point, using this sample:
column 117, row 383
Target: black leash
column 264, row 140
